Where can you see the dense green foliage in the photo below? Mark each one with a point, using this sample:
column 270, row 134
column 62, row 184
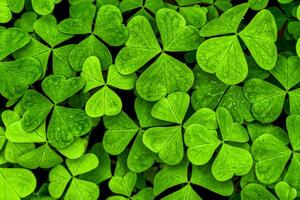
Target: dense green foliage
column 149, row 99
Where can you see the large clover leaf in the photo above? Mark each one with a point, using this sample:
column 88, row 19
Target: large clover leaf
column 224, row 55
column 105, row 101
column 231, row 160
column 142, row 46
column 267, row 99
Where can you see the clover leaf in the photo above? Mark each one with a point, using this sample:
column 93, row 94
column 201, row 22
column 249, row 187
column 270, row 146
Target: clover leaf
column 105, row 101
column 144, row 46
column 7, row 7
column 256, row 191
column 215, row 54
column 16, row 182
column 44, row 7
column 284, row 191
column 202, row 141
column 59, row 178
column 267, row 99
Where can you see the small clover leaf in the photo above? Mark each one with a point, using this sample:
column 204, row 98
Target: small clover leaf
column 17, row 75
column 9, row 6
column 123, row 185
column 16, row 182
column 43, row 7
column 105, row 101
column 284, row 191
column 255, row 191
column 109, row 26
column 259, row 40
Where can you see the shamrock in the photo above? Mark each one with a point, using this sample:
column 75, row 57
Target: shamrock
column 7, row 7
column 105, row 101
column 166, row 74
column 66, row 123
column 224, row 55
column 267, row 99
column 59, row 178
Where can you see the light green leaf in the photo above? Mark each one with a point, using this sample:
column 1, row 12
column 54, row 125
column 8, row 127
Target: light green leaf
column 65, row 124
column 14, row 150
column 186, row 193
column 267, row 99
column 83, row 164
column 271, row 156
column 293, row 127
column 60, row 61
column 16, row 182
column 258, row 4
column 294, row 97
column 287, row 71
column 123, row 185
column 223, row 56
column 203, row 116
column 171, row 108
column 36, row 109
column 298, row 46
column 260, row 36
column 226, row 23
column 82, row 190
column 43, row 7
column 81, row 19
column 11, row 40
column 109, row 25
column 194, row 15
column 46, row 28
column 26, row 21
column 166, row 75
column 103, row 102
column 201, row 143
column 90, row 46
column 140, row 48
column 167, row 142
column 74, row 150
column 144, row 194
column 58, row 88
column 231, row 161
column 120, row 131
column 17, row 75
column 291, row 176
column 284, row 191
column 6, row 14
column 43, row 157
column 9, row 117
column 175, row 34
column 120, row 81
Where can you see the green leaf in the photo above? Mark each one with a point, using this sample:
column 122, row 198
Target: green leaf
column 239, row 107
column 65, row 124
column 175, row 35
column 291, row 176
column 83, row 164
column 201, row 143
column 260, row 36
column 43, row 157
column 109, row 25
column 255, row 191
column 15, row 133
column 186, row 192
column 14, row 150
column 26, row 21
column 271, row 156
column 60, row 61
column 266, row 99
column 92, row 74
column 103, row 102
column 203, row 116
column 43, row 7
column 74, row 150
column 90, row 46
column 171, row 108
column 202, row 176
column 231, row 161
column 194, row 15
column 140, row 158
column 58, row 88
column 123, row 185
column 120, row 81
column 258, row 4
column 11, row 40
column 166, row 75
column 6, row 14
column 82, row 190
column 166, row 141
column 170, row 176
column 226, row 23
column 36, row 109
column 284, row 191
column 16, row 182
column 59, row 178
column 286, row 71
column 18, row 75
column 140, row 48
column 120, row 131
column 292, row 125
column 223, row 56
column 46, row 28
column 81, row 19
